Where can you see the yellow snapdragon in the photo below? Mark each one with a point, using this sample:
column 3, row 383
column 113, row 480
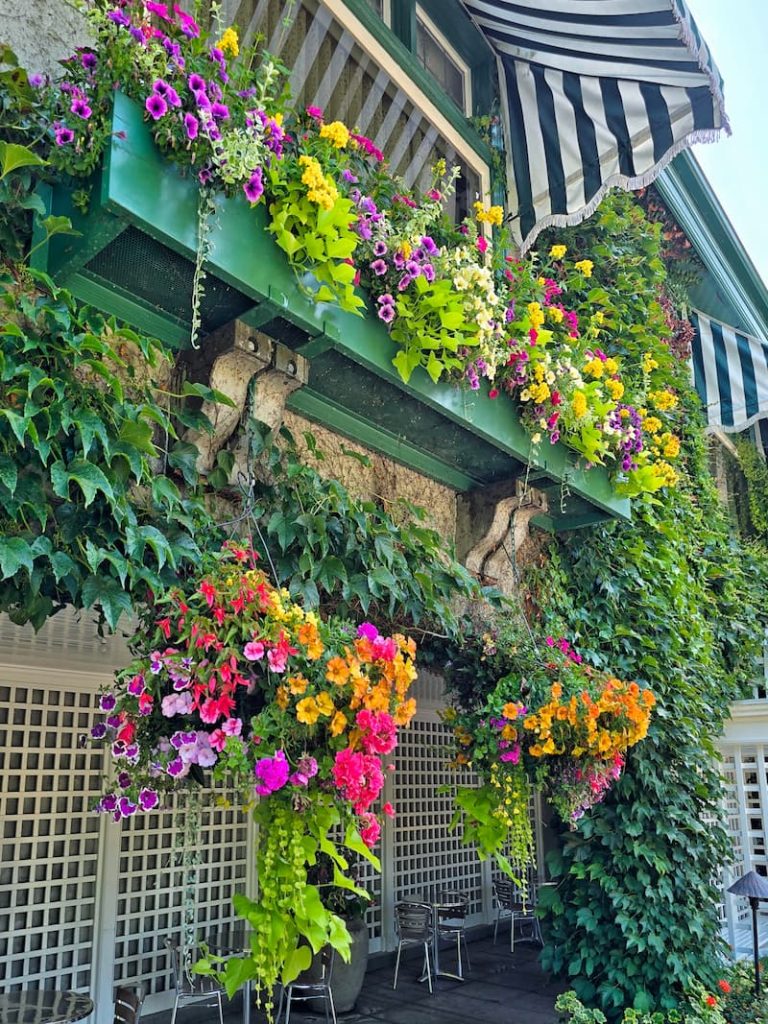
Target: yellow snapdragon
column 585, row 267
column 489, row 215
column 337, row 132
column 320, row 189
column 558, row 251
column 229, row 44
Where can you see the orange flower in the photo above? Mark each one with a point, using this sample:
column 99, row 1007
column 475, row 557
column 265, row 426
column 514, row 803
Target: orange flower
column 511, row 710
column 557, row 691
column 404, row 712
column 364, row 649
column 338, row 724
column 337, row 671
column 309, row 638
column 282, row 698
column 724, row 986
column 298, row 684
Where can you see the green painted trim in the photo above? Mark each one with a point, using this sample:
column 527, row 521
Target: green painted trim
column 404, row 22
column 420, row 77
column 322, row 410
column 691, row 199
column 92, row 291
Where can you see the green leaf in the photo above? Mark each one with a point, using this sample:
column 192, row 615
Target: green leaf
column 9, row 472
column 298, row 960
column 13, row 156
column 110, row 597
column 354, row 842
column 183, row 456
column 138, row 434
column 90, row 479
column 15, row 554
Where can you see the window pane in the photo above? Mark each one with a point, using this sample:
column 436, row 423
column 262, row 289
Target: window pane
column 438, row 61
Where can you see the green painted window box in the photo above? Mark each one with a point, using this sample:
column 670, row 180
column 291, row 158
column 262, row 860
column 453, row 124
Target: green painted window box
column 134, row 258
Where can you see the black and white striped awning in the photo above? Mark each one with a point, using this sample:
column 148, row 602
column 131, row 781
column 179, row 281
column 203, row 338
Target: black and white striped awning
column 595, row 93
column 730, row 373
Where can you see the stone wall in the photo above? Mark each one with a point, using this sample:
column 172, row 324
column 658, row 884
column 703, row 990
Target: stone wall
column 41, row 32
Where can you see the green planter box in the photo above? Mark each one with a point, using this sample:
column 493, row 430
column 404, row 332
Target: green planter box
column 134, row 258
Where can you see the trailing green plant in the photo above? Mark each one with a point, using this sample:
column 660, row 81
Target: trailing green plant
column 86, row 518
column 673, row 601
column 350, row 555
column 698, row 1007
column 755, row 469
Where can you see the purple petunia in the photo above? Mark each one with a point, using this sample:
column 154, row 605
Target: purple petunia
column 347, row 175
column 254, row 187
column 119, row 18
column 80, row 108
column 123, row 780
column 89, row 60
column 99, row 731
column 107, row 701
column 271, row 773
column 137, row 34
column 108, row 802
column 386, row 300
column 412, row 268
column 64, row 135
column 220, row 111
column 403, row 283
column 387, row 314
column 379, row 267
column 191, row 126
column 156, row 108
column 429, row 246
column 196, row 83
column 36, row 81
column 148, row 799
column 380, row 249
column 429, row 272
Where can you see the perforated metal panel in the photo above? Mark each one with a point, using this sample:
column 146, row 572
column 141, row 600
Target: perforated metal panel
column 50, row 837
column 152, row 879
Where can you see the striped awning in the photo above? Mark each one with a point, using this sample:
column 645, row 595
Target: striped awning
column 595, row 93
column 730, row 373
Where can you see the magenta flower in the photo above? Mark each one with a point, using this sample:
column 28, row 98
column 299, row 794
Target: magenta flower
column 64, row 135
column 156, row 106
column 125, row 807
column 196, row 83
column 119, row 18
column 271, row 773
column 379, row 267
column 277, row 660
column 107, row 701
column 36, row 81
column 220, row 111
column 380, row 249
column 347, row 175
column 367, row 629
column 387, row 314
column 191, row 126
column 161, row 10
column 315, row 112
column 189, row 26
column 385, row 300
column 89, row 60
column 429, row 272
column 99, row 731
column 403, row 283
column 148, row 799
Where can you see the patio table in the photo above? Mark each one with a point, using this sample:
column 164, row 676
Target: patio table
column 43, row 1006
column 445, row 905
column 233, row 941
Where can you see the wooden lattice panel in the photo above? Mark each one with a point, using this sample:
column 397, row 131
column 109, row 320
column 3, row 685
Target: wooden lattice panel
column 427, row 856
column 49, row 852
column 151, row 886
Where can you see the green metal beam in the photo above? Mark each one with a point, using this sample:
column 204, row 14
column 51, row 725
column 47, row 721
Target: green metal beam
column 322, row 410
column 94, row 292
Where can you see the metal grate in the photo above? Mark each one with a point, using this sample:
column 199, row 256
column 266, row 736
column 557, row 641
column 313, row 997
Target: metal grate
column 49, row 852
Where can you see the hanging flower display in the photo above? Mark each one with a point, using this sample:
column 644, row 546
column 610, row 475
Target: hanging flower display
column 294, row 712
column 567, row 731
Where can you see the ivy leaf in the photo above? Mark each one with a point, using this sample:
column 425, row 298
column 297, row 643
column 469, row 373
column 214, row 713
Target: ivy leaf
column 9, row 473
column 90, row 479
column 165, row 493
column 183, row 456
column 107, row 593
column 15, row 554
column 18, row 424
column 13, row 156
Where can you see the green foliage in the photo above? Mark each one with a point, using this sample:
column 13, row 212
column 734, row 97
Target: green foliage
column 740, row 1004
column 695, row 1010
column 349, row 555
column 86, row 519
column 755, row 469
column 432, row 325
column 674, row 602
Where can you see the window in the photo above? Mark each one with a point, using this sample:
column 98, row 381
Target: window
column 382, row 9
column 442, row 62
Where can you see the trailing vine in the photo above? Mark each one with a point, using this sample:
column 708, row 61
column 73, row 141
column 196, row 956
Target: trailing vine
column 755, row 469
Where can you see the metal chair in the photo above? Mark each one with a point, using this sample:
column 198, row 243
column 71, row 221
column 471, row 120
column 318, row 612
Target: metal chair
column 413, row 927
column 320, row 988
column 128, row 1005
column 451, row 919
column 521, row 907
column 191, row 988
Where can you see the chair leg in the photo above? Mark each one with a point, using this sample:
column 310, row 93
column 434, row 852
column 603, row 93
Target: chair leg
column 512, row 933
column 429, row 972
column 496, row 926
column 458, row 953
column 221, row 1009
column 175, row 1008
column 466, row 949
column 325, row 1006
column 280, row 1004
column 333, row 1008
column 288, row 1006
column 397, row 964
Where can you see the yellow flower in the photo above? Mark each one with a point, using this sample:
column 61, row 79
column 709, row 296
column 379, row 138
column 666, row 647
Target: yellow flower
column 579, row 404
column 611, row 366
column 229, row 44
column 649, row 363
column 558, row 251
column 492, row 215
column 307, row 711
column 663, row 400
column 535, row 314
column 406, row 249
column 615, row 388
column 338, row 724
column 595, row 368
column 652, row 424
column 320, row 189
column 540, row 392
column 297, row 684
column 282, row 698
column 337, row 132
column 598, row 317
column 585, row 266
column 555, row 314
column 671, row 447
column 325, row 704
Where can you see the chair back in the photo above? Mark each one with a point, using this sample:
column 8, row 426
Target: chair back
column 505, row 893
column 455, row 904
column 413, row 921
column 128, row 1005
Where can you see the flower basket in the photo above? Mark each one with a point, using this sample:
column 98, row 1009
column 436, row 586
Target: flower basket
column 134, row 258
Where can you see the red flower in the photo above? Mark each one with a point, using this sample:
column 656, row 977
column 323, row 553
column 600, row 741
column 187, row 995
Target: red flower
column 482, row 244
column 165, row 626
column 711, row 1001
column 209, row 592
column 555, row 398
column 493, row 393
column 724, row 986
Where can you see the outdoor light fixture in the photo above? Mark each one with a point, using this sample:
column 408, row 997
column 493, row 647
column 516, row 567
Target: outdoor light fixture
column 755, row 888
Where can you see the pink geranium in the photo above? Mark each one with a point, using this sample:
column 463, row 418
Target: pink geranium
column 371, row 832
column 271, row 773
column 254, row 650
column 378, row 732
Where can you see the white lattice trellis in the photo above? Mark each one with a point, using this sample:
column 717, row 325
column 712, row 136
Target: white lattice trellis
column 50, row 838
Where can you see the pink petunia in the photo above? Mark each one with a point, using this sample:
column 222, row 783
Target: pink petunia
column 254, row 650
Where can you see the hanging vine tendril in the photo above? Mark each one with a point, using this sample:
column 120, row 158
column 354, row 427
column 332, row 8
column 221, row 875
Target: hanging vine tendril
column 206, row 207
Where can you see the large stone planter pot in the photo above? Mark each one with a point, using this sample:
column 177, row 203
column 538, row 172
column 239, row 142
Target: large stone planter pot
column 347, row 980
